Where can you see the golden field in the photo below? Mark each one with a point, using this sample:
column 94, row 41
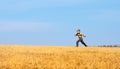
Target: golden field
column 58, row 57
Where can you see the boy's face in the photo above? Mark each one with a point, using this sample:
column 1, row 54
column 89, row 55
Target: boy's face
column 78, row 31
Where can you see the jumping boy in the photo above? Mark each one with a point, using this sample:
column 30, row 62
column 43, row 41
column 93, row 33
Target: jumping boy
column 80, row 38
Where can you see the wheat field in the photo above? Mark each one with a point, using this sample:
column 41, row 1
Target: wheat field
column 58, row 57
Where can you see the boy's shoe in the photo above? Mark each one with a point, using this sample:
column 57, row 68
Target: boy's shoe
column 86, row 46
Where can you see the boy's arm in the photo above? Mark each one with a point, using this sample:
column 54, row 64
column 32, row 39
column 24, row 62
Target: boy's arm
column 76, row 34
column 83, row 35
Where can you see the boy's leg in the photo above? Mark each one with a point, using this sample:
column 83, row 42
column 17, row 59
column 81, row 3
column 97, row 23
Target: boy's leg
column 77, row 43
column 83, row 43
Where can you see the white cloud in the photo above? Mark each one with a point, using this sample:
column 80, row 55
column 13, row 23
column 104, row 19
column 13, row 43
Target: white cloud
column 20, row 5
column 25, row 26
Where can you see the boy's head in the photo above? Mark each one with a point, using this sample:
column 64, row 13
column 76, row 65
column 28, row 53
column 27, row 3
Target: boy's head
column 78, row 31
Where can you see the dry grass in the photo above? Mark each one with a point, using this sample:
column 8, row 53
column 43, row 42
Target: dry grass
column 58, row 57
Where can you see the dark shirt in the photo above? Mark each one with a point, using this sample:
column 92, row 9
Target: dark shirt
column 80, row 35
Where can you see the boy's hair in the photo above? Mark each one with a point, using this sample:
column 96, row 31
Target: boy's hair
column 78, row 30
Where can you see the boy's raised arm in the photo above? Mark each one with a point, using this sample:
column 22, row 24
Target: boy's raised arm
column 83, row 35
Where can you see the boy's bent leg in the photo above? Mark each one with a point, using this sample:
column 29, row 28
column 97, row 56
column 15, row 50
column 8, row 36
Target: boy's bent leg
column 83, row 43
column 77, row 43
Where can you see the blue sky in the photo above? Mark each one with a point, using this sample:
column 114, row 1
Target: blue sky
column 54, row 22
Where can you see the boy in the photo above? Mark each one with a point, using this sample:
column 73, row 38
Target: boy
column 80, row 38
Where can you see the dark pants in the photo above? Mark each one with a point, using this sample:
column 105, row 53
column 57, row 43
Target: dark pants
column 80, row 40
